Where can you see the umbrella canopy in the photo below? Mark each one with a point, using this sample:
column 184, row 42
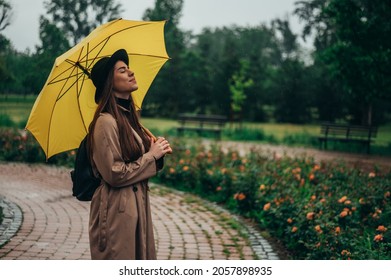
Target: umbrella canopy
column 65, row 107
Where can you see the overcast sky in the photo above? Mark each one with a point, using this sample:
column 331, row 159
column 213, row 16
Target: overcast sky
column 196, row 14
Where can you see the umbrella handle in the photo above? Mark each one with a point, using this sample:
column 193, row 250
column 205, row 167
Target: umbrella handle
column 149, row 133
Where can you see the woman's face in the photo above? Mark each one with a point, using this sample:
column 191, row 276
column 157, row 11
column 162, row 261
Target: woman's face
column 124, row 81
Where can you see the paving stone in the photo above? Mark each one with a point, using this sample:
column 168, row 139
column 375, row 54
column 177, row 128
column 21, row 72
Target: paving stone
column 43, row 221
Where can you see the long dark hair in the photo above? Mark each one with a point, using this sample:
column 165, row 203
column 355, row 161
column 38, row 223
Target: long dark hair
column 131, row 150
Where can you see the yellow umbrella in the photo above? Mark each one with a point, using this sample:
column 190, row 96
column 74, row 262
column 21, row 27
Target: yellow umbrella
column 65, row 107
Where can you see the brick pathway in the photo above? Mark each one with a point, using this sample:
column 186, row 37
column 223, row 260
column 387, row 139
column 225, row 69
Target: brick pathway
column 46, row 222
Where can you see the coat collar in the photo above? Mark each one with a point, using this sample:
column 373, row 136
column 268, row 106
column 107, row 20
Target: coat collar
column 123, row 104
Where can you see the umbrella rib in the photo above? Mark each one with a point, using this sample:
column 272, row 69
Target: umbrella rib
column 149, row 55
column 72, row 64
column 78, row 92
column 106, row 40
column 62, row 93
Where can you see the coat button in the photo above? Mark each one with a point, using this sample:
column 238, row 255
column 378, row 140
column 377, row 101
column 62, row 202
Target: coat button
column 135, row 189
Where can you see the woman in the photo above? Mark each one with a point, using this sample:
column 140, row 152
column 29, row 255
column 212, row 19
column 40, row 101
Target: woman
column 124, row 157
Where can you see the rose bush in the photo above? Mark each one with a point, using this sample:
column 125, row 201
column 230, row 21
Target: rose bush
column 318, row 210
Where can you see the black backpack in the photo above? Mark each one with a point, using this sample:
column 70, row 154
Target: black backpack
column 84, row 181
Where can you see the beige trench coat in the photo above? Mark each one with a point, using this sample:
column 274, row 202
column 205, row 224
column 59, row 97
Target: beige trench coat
column 120, row 224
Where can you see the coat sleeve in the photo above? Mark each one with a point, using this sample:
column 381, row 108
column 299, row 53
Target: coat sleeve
column 108, row 157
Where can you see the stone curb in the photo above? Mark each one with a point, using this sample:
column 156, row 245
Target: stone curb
column 260, row 246
column 12, row 220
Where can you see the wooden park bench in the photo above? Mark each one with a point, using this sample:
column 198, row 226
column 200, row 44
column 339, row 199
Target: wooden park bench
column 201, row 123
column 347, row 134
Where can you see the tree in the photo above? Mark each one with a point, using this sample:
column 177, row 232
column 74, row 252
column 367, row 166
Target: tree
column 53, row 41
column 5, row 14
column 353, row 41
column 77, row 18
column 288, row 44
column 291, row 99
column 167, row 95
column 6, row 77
column 238, row 84
column 53, row 44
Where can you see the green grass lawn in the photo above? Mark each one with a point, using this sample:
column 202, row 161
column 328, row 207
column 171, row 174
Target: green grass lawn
column 18, row 109
column 277, row 130
column 281, row 130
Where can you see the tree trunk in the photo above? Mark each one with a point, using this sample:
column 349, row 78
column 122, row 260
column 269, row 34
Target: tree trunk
column 369, row 114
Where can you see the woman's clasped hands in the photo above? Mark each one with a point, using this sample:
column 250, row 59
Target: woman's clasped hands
column 160, row 147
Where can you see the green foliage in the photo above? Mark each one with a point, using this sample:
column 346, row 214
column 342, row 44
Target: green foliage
column 77, row 18
column 347, row 78
column 238, row 85
column 6, row 121
column 292, row 100
column 319, row 211
column 6, row 76
column 19, row 145
column 248, row 134
column 350, row 37
column 305, row 139
column 168, row 93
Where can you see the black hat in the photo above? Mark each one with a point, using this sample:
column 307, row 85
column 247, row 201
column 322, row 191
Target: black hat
column 101, row 70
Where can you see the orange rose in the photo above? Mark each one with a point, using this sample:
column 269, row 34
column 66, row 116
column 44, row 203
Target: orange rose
column 172, row 170
column 289, row 221
column 241, row 196
column 381, row 228
column 310, row 215
column 372, row 174
column 316, row 167
column 294, row 229
column 337, row 230
column 342, row 199
column 343, row 214
column 345, row 253
column 262, row 187
column 267, row 206
column 185, row 168
column 219, row 188
column 318, row 229
column 378, row 237
column 311, row 176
